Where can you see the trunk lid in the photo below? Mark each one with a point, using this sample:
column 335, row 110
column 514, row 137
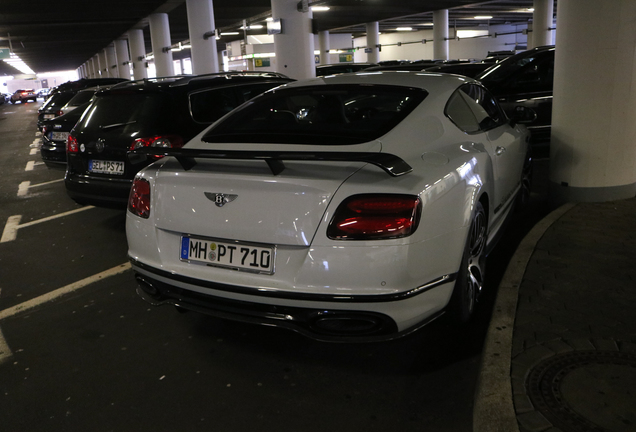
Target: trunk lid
column 261, row 207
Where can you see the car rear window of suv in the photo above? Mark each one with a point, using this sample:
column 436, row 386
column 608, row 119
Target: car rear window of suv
column 325, row 115
column 125, row 112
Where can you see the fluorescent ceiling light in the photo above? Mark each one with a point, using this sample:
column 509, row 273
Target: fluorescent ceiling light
column 252, row 27
column 483, row 17
column 404, row 28
column 427, row 24
column 471, row 33
column 229, row 33
column 319, row 8
column 17, row 63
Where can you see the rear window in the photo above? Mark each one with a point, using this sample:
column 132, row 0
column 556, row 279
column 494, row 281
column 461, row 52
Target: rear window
column 125, row 113
column 59, row 100
column 328, row 115
column 80, row 98
column 209, row 105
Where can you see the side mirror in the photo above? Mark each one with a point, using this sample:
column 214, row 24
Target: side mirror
column 523, row 115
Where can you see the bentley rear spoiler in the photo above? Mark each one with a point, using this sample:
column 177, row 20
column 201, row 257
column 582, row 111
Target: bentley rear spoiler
column 389, row 163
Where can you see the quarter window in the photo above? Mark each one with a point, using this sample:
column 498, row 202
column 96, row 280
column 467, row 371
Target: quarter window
column 486, row 112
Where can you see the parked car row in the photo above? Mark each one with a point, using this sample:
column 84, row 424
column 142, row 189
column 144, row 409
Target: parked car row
column 98, row 126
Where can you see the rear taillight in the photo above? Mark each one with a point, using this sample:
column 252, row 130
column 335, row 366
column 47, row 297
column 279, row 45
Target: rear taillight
column 139, row 198
column 59, row 113
column 71, row 145
column 45, row 130
column 375, row 216
column 161, row 141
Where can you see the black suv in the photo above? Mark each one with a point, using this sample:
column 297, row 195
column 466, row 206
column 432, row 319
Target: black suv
column 525, row 79
column 163, row 112
column 62, row 94
column 55, row 134
column 55, row 131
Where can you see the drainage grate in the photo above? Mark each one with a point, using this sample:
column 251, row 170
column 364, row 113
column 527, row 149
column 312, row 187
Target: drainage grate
column 585, row 391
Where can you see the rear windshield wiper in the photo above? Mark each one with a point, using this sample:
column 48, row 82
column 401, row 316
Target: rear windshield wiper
column 117, row 124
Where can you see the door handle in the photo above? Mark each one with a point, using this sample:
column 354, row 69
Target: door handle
column 500, row 150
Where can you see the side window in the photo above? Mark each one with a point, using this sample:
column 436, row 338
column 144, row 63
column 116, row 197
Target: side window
column 207, row 106
column 484, row 107
column 459, row 112
column 536, row 76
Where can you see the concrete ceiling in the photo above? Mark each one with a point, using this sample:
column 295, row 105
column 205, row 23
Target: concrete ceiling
column 63, row 34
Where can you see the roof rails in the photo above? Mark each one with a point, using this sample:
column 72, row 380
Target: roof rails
column 178, row 80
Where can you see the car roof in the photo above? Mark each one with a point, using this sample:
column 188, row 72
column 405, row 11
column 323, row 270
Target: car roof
column 181, row 81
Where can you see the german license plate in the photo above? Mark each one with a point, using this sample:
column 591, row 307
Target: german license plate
column 106, row 167
column 239, row 256
column 49, row 116
column 59, row 136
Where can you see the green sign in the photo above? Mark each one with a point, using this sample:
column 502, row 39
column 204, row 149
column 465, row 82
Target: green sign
column 262, row 62
column 4, row 53
column 345, row 58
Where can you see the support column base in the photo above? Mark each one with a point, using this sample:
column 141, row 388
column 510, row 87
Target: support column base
column 560, row 193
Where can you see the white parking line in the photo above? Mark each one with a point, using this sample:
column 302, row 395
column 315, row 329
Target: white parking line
column 5, row 351
column 32, row 164
column 47, row 183
column 33, row 151
column 24, row 187
column 12, row 226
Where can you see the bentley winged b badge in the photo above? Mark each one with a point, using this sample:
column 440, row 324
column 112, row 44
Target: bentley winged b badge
column 220, row 199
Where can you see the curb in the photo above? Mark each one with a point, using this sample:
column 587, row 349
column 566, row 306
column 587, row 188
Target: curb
column 493, row 410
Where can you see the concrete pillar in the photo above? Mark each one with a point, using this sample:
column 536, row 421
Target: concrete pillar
column 593, row 145
column 373, row 42
column 440, row 34
column 323, row 46
column 138, row 53
column 160, row 39
column 98, row 65
column 203, row 52
column 123, row 58
column 103, row 63
column 294, row 47
column 111, row 61
column 542, row 21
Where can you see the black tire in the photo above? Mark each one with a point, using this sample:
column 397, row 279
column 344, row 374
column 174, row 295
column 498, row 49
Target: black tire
column 470, row 277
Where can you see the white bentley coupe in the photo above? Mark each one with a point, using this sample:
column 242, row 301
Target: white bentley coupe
column 351, row 207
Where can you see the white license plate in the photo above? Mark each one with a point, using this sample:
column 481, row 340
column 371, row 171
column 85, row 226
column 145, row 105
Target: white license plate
column 239, row 256
column 59, row 136
column 106, row 167
column 49, row 116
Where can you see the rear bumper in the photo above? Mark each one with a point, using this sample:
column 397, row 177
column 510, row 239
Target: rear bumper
column 53, row 154
column 315, row 316
column 97, row 191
